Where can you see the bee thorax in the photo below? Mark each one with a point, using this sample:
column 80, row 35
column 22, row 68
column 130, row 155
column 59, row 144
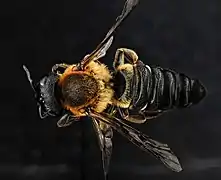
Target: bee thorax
column 78, row 89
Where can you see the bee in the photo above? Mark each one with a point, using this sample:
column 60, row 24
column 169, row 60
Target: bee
column 132, row 92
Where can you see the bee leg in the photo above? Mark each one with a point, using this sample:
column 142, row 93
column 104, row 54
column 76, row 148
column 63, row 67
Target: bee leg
column 137, row 118
column 56, row 66
column 122, row 54
column 152, row 114
column 127, row 71
column 66, row 120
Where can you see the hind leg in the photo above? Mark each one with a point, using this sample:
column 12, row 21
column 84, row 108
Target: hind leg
column 126, row 69
column 134, row 117
column 123, row 54
column 138, row 117
column 152, row 114
column 124, row 61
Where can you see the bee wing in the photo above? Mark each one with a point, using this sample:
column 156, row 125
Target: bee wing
column 104, row 134
column 144, row 142
column 102, row 52
column 101, row 49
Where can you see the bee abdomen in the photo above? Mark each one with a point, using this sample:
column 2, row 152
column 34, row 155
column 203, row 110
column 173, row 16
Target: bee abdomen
column 156, row 88
column 179, row 90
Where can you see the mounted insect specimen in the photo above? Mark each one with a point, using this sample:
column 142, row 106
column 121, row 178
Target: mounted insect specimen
column 132, row 92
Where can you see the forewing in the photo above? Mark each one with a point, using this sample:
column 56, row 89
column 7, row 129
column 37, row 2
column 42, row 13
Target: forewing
column 102, row 52
column 144, row 142
column 104, row 134
column 101, row 49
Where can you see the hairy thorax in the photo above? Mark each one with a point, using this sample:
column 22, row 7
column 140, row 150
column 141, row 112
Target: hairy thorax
column 79, row 89
column 87, row 88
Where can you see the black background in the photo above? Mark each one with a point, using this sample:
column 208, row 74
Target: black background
column 183, row 35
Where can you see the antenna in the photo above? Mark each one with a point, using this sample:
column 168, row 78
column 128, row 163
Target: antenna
column 29, row 77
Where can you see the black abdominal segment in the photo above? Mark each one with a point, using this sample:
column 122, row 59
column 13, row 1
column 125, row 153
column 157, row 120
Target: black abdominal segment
column 155, row 88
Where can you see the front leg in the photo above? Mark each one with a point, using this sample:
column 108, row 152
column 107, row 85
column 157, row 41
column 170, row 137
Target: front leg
column 56, row 66
column 66, row 120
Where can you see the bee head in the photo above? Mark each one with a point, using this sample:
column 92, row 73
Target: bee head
column 45, row 94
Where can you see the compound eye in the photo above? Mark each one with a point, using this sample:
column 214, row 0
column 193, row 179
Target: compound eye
column 42, row 82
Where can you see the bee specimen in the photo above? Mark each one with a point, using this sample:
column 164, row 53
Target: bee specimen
column 132, row 92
